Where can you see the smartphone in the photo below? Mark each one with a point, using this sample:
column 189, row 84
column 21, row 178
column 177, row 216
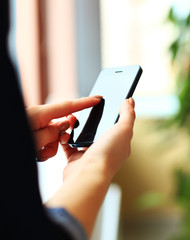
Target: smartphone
column 115, row 85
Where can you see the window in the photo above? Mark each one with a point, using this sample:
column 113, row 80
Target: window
column 135, row 32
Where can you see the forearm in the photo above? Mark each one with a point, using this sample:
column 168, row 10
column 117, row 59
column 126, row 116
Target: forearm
column 87, row 176
column 83, row 192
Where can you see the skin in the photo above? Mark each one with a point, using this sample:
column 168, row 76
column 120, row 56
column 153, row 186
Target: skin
column 46, row 132
column 88, row 174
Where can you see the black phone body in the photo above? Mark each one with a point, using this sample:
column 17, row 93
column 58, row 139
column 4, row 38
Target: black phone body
column 115, row 85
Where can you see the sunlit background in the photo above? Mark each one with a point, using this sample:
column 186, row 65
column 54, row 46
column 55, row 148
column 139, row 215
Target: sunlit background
column 61, row 46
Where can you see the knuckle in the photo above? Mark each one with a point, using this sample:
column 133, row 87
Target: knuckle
column 128, row 132
column 53, row 131
column 132, row 112
column 68, row 104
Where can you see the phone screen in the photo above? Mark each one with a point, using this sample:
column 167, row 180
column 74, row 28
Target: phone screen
column 115, row 85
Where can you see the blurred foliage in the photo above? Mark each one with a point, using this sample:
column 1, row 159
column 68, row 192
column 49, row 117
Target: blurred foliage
column 180, row 59
column 182, row 198
column 150, row 200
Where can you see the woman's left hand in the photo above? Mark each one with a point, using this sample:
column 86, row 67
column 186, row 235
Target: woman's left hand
column 47, row 132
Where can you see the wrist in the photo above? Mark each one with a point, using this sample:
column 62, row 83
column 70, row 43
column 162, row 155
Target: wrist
column 83, row 192
column 98, row 166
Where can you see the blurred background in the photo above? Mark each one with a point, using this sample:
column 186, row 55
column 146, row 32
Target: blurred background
column 60, row 47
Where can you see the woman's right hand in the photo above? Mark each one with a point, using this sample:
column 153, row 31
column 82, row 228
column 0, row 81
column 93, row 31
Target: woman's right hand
column 87, row 176
column 111, row 149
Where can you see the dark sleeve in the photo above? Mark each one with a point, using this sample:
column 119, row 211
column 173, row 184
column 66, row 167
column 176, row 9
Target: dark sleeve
column 64, row 219
column 22, row 213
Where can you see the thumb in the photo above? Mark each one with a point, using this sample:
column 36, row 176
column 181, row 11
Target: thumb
column 50, row 134
column 127, row 113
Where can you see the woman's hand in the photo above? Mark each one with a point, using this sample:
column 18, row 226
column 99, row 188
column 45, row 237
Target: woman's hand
column 46, row 132
column 110, row 150
column 88, row 174
column 114, row 147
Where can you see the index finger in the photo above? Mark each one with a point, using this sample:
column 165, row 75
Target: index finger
column 58, row 110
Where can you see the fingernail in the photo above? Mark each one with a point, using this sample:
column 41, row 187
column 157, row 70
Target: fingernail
column 63, row 142
column 97, row 96
column 62, row 139
column 62, row 133
column 131, row 101
column 39, row 158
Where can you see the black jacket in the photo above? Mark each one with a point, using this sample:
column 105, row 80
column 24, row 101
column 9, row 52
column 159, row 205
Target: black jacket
column 21, row 212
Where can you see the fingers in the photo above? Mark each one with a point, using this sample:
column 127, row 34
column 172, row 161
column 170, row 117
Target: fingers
column 126, row 120
column 50, row 134
column 132, row 102
column 69, row 151
column 64, row 138
column 72, row 120
column 127, row 113
column 47, row 152
column 52, row 111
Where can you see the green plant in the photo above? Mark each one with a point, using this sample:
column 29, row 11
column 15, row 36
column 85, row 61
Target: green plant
column 182, row 198
column 180, row 59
